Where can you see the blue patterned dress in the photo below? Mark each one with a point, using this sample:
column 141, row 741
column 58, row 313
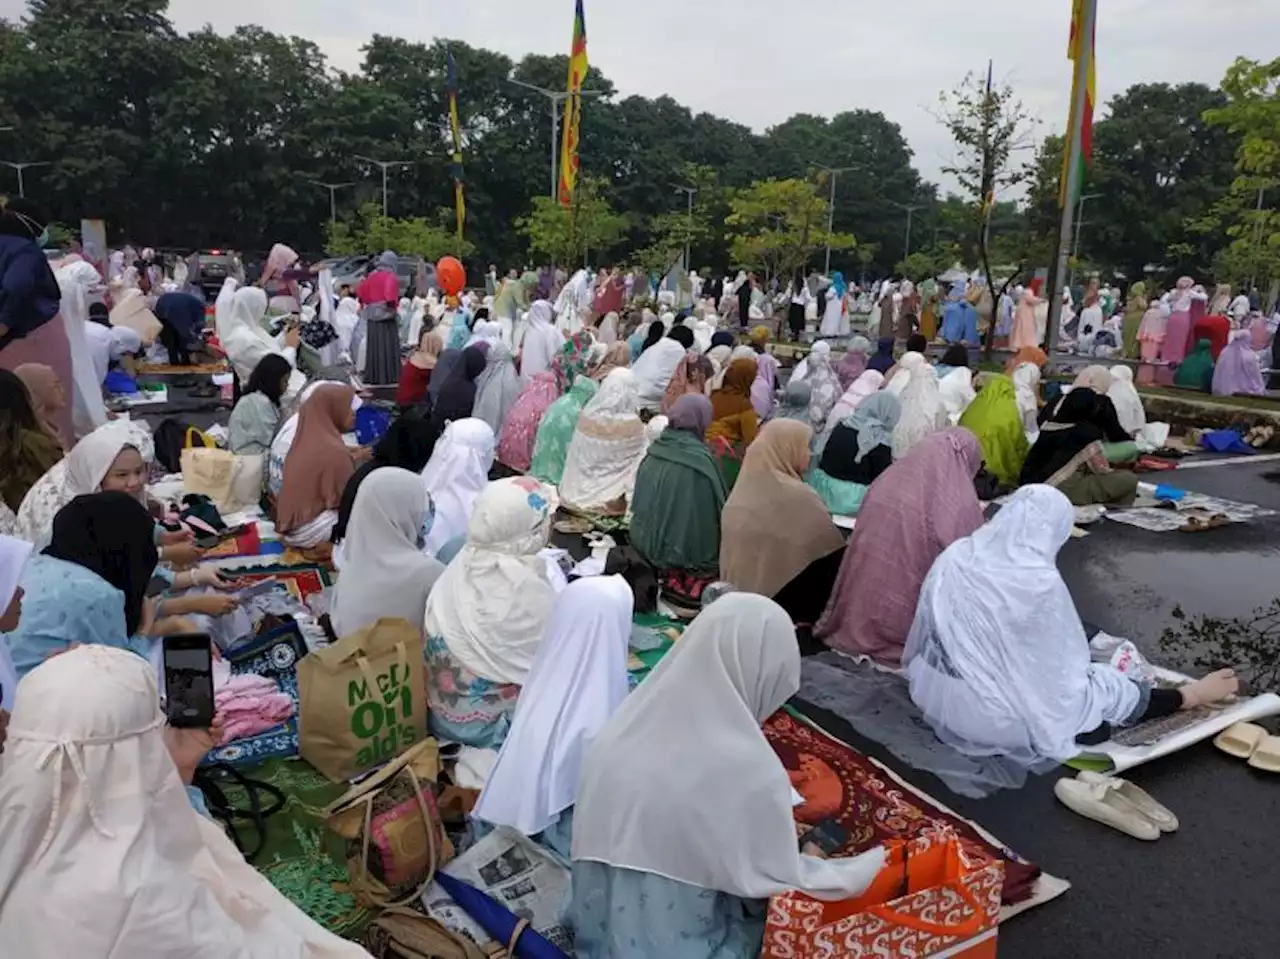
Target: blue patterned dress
column 463, row 707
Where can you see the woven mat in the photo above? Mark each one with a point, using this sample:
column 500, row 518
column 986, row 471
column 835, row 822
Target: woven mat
column 166, row 369
column 869, row 803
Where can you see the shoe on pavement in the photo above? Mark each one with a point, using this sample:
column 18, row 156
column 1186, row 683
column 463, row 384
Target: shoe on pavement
column 1165, row 820
column 1103, row 803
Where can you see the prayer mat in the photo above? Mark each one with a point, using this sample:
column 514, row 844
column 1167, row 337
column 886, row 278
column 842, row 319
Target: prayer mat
column 301, row 580
column 859, row 803
column 302, row 858
column 165, row 369
column 275, row 656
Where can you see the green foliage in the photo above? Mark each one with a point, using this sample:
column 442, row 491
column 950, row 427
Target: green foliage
column 690, row 228
column 368, row 231
column 924, row 264
column 778, row 225
column 566, row 234
column 1248, row 644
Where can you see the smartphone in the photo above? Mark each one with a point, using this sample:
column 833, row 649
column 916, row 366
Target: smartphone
column 210, row 540
column 188, row 680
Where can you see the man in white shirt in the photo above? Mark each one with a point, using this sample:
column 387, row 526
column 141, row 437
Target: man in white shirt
column 1239, row 309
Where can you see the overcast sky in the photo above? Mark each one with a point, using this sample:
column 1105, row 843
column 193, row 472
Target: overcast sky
column 760, row 61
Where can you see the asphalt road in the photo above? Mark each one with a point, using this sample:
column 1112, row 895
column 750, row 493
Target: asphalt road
column 1210, row 890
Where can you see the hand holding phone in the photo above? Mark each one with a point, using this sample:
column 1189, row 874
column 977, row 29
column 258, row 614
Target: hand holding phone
column 188, row 680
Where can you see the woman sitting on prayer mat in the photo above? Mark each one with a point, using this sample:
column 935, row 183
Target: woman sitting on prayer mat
column 825, row 385
column 955, row 358
column 520, row 431
column 607, row 446
column 1196, row 371
column 455, row 476
column 256, row 416
column 857, row 451
column 242, row 336
column 457, row 397
column 917, row 508
column 659, row 863
column 407, row 444
column 415, row 375
column 777, row 538
column 283, row 441
column 795, row 402
column 1070, row 452
column 883, row 361
column 576, row 683
column 379, row 292
column 181, row 317
column 680, row 494
column 497, row 388
column 616, row 356
column 957, row 392
column 896, row 379
column 556, row 431
column 764, row 389
column 48, row 399
column 734, row 422
column 384, row 573
column 923, row 411
column 865, row 385
column 29, row 446
column 658, row 364
column 1124, row 397
column 997, row 659
column 92, row 775
column 112, row 457
column 1237, row 371
column 854, row 362
column 994, row 419
column 487, row 614
column 89, row 585
column 317, row 469
column 689, row 379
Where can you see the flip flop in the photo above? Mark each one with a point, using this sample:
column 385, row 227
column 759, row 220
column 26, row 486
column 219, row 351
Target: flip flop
column 1240, row 740
column 1266, row 756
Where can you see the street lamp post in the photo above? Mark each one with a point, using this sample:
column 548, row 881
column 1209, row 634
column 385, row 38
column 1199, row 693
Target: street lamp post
column 833, row 172
column 385, row 165
column 333, row 189
column 556, row 97
column 911, row 209
column 1075, row 246
column 1257, row 238
column 23, row 166
column 692, row 191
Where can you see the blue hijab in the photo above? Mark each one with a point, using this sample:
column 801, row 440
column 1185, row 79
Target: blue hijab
column 883, row 361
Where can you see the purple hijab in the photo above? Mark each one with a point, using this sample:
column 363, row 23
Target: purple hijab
column 1237, row 369
column 762, row 399
column 883, row 361
column 854, row 363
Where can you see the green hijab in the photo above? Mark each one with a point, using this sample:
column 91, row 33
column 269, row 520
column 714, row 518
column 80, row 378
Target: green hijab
column 675, row 511
column 555, row 432
column 1196, row 371
column 994, row 419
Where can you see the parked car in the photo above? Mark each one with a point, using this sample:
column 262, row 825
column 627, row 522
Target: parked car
column 215, row 267
column 350, row 271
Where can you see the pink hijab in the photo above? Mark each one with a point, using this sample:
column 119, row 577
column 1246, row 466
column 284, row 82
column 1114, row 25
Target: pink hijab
column 921, row 505
column 520, row 429
column 762, row 390
column 279, row 259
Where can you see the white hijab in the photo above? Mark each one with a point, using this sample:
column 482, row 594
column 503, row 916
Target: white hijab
column 244, row 338
column 455, row 476
column 1026, row 377
column 577, row 681
column 76, row 280
column 13, row 559
column 910, row 362
column 541, row 343
column 96, row 815
column 923, row 412
column 651, row 784
column 997, row 658
column 384, row 574
column 492, row 604
column 1126, row 400
column 607, row 446
column 956, row 389
column 345, row 320
column 654, row 369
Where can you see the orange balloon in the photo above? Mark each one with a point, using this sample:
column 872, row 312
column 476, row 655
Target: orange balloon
column 451, row 275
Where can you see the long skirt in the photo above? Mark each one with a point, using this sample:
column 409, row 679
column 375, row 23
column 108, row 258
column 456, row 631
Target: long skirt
column 382, row 360
column 48, row 345
column 795, row 320
column 1176, row 333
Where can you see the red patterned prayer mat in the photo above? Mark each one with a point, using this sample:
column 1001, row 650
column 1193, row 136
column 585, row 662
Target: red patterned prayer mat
column 301, row 581
column 853, row 803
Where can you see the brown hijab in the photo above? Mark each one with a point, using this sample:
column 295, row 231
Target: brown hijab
column 319, row 464
column 47, row 397
column 430, row 345
column 774, row 525
column 734, row 395
column 617, row 356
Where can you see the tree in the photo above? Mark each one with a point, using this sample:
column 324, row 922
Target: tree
column 371, row 232
column 671, row 234
column 567, row 234
column 989, row 127
column 778, row 225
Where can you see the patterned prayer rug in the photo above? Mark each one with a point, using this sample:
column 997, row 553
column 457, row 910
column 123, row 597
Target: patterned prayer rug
column 301, row 580
column 856, row 803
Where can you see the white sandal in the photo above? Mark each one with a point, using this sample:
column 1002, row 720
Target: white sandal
column 1164, row 820
column 1102, row 802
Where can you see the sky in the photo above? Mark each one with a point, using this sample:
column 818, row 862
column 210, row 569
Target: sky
column 758, row 62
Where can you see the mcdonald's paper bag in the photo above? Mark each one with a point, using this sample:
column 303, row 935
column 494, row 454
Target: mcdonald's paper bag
column 363, row 700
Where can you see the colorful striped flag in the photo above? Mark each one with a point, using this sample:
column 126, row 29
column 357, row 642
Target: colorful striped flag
column 573, row 108
column 1078, row 45
column 458, row 199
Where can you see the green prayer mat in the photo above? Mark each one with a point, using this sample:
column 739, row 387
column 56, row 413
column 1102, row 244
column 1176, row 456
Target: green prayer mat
column 301, row 857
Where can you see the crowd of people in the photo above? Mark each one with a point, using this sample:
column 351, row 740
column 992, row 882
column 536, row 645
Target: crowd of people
column 672, row 424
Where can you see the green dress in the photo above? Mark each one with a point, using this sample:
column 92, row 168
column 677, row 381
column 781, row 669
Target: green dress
column 994, row 419
column 555, row 432
column 1196, row 371
column 675, row 512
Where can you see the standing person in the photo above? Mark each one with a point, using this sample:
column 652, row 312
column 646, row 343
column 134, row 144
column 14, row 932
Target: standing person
column 491, row 281
column 1135, row 306
column 379, row 292
column 30, row 298
column 1177, row 330
column 542, row 341
column 1025, row 333
column 744, row 292
column 798, row 295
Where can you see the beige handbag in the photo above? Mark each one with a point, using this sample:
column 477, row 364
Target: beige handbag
column 232, row 482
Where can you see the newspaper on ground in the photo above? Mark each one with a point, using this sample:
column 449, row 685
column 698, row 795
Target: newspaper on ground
column 516, row 872
column 1174, row 515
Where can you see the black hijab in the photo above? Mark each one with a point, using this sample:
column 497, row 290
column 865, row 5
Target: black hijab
column 113, row 535
column 458, row 393
column 957, row 356
column 268, row 377
column 883, row 361
column 656, row 329
column 725, row 338
column 682, row 335
column 1072, row 426
column 919, row 343
column 408, row 444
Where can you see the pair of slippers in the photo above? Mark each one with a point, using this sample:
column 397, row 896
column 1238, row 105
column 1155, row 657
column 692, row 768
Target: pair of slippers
column 1117, row 803
column 1251, row 742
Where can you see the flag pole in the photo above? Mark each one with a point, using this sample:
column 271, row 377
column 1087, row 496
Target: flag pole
column 1073, row 168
